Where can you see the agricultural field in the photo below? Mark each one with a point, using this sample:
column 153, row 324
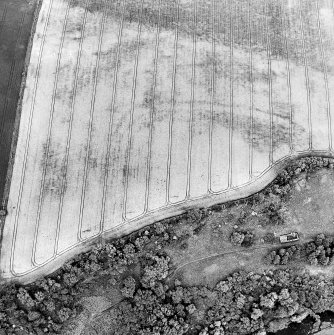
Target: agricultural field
column 152, row 154
column 136, row 110
column 193, row 275
column 16, row 20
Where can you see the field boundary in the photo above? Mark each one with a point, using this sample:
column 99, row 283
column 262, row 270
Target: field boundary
column 132, row 226
column 19, row 106
column 5, row 195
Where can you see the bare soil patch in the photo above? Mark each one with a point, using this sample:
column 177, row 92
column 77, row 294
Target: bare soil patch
column 309, row 210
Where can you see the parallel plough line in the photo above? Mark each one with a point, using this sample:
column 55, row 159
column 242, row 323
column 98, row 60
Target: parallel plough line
column 69, row 130
column 171, row 113
column 307, row 80
column 133, row 97
column 53, row 99
column 112, row 112
column 187, row 200
column 23, row 170
column 192, row 97
column 325, row 71
column 287, row 66
column 213, row 79
column 149, row 156
column 91, row 117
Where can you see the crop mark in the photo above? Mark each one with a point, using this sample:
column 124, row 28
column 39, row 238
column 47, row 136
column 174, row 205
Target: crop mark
column 191, row 118
column 287, row 66
column 231, row 119
column 47, row 148
column 156, row 56
column 107, row 164
column 91, row 117
column 69, row 131
column 133, row 97
column 171, row 115
column 11, row 78
column 329, row 121
column 231, row 99
column 251, row 108
column 271, row 111
column 309, row 107
column 27, row 141
column 213, row 82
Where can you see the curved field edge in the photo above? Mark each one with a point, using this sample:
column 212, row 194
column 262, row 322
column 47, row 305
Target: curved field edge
column 259, row 184
column 16, row 29
column 19, row 104
column 62, row 198
column 5, row 195
column 65, row 286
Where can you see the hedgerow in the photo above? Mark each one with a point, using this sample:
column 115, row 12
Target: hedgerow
column 154, row 308
column 320, row 251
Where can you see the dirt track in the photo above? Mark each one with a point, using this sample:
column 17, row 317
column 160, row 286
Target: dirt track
column 135, row 110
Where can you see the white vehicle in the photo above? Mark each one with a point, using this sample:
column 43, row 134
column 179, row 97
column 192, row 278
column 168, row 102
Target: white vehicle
column 290, row 237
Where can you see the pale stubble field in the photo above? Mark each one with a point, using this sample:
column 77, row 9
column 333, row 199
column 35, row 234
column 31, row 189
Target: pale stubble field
column 135, row 110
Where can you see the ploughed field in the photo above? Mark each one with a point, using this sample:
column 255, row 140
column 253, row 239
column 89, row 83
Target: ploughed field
column 16, row 18
column 134, row 110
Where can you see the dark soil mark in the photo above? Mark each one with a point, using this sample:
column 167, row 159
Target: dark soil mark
column 282, row 20
column 15, row 26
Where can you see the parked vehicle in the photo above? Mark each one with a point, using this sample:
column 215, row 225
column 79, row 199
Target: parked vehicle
column 290, row 237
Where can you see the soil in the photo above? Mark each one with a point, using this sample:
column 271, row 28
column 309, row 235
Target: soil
column 16, row 20
column 200, row 249
column 136, row 113
column 210, row 255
